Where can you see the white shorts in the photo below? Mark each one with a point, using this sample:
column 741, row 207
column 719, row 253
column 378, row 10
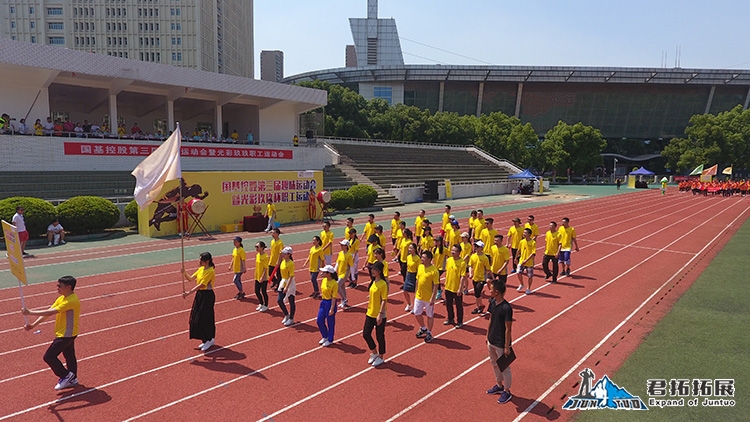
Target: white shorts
column 525, row 270
column 422, row 306
column 327, row 258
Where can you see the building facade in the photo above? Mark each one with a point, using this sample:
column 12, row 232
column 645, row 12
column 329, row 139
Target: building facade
column 272, row 65
column 212, row 36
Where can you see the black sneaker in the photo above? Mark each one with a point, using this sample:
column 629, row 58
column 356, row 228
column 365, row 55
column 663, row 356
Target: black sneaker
column 448, row 322
column 421, row 333
column 428, row 337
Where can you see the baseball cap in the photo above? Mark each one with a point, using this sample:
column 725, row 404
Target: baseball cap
column 464, row 234
column 287, row 249
column 328, row 269
column 451, row 217
column 479, row 243
column 344, row 242
column 516, row 220
column 237, row 238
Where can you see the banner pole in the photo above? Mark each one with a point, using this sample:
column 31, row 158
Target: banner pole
column 182, row 236
column 23, row 301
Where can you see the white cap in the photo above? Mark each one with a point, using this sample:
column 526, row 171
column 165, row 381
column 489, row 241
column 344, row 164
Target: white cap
column 328, row 269
column 344, row 242
column 287, row 249
column 451, row 217
column 479, row 243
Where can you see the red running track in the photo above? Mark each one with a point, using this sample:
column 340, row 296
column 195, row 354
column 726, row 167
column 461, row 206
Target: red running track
column 134, row 338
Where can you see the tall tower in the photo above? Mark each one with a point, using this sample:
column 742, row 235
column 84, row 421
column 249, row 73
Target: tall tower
column 272, row 65
column 376, row 40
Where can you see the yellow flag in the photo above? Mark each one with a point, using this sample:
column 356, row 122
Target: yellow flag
column 15, row 254
column 727, row 170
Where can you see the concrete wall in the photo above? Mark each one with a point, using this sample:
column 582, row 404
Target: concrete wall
column 39, row 153
column 279, row 123
column 18, row 91
column 413, row 193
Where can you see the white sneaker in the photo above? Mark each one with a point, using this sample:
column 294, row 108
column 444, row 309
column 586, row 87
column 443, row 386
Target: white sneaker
column 264, row 308
column 207, row 345
column 49, row 243
column 56, row 243
column 528, row 291
column 66, row 381
column 288, row 322
column 283, row 321
column 372, row 358
column 200, row 346
column 378, row 360
column 259, row 307
column 323, row 340
column 327, row 343
column 62, row 242
column 520, row 287
column 408, row 308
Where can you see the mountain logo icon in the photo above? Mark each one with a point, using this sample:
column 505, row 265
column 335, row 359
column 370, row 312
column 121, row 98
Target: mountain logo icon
column 604, row 394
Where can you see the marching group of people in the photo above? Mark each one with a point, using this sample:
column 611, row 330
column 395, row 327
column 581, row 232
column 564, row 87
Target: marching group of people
column 440, row 263
column 716, row 187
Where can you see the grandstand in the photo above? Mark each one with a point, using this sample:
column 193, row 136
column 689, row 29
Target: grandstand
column 55, row 185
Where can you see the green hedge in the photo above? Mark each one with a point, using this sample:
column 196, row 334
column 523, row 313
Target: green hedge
column 131, row 212
column 364, row 196
column 88, row 214
column 341, row 200
column 38, row 213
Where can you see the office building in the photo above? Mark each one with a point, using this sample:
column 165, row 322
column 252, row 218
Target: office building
column 272, row 65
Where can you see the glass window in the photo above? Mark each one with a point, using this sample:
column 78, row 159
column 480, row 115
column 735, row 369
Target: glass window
column 31, row 10
column 12, row 10
column 56, row 40
column 33, row 39
column 32, row 24
column 54, row 25
column 12, row 24
column 54, row 10
column 384, row 92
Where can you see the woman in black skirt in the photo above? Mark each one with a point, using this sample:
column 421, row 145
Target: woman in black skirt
column 202, row 320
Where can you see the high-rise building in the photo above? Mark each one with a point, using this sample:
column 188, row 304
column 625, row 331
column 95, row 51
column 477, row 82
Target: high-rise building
column 215, row 36
column 272, row 65
column 351, row 56
column 376, row 40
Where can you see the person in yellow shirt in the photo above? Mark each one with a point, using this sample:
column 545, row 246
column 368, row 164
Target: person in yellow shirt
column 515, row 234
column 446, row 220
column 439, row 253
column 418, row 226
column 349, row 226
column 202, row 318
column 499, row 259
column 369, row 227
column 526, row 251
column 315, row 258
column 395, row 221
column 426, row 243
column 375, row 316
column 344, row 262
column 270, row 215
column 488, row 235
column 354, row 251
column 455, row 283
column 261, row 276
column 399, row 235
column 472, row 221
column 428, row 281
column 567, row 240
column 412, row 266
column 67, row 312
column 326, row 236
column 329, row 288
column 275, row 258
column 373, row 243
column 287, row 286
column 479, row 270
column 455, row 235
column 478, row 226
column 530, row 224
column 551, row 250
column 380, row 235
column 237, row 266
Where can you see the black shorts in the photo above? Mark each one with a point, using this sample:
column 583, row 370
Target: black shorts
column 501, row 277
column 478, row 287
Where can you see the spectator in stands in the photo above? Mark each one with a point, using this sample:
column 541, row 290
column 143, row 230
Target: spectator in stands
column 59, row 128
column 55, row 233
column 4, row 122
column 38, row 128
column 86, row 126
column 78, row 130
column 250, row 136
column 235, row 136
column 135, row 130
column 295, row 140
column 22, row 128
column 95, row 128
column 121, row 129
column 48, row 127
column 68, row 127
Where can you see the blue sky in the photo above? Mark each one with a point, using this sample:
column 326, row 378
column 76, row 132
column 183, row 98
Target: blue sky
column 634, row 33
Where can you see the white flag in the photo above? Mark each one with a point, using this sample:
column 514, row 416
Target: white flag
column 162, row 165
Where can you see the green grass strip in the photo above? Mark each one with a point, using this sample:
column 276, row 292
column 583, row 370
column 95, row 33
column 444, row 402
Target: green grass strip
column 704, row 336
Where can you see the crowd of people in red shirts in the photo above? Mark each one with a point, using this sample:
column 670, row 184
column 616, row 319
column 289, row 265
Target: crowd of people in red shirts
column 716, row 187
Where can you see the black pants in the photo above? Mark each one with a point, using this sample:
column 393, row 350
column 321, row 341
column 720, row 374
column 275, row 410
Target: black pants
column 402, row 266
column 450, row 297
column 555, row 267
column 513, row 253
column 66, row 346
column 261, row 292
column 371, row 323
column 276, row 277
column 292, row 306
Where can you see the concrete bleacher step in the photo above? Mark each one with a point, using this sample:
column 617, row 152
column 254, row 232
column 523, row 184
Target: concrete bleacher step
column 387, row 200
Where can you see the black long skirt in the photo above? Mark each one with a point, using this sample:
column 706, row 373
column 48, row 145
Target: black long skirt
column 202, row 320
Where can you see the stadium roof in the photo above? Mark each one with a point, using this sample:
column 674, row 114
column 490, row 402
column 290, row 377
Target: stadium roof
column 467, row 73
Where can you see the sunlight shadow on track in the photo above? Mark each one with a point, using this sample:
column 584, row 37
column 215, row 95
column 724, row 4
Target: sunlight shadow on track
column 93, row 398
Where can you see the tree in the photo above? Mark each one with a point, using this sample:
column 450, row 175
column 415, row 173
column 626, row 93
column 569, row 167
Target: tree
column 345, row 111
column 450, row 128
column 505, row 137
column 576, row 147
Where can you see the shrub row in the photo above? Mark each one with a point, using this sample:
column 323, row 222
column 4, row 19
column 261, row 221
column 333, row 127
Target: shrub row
column 357, row 196
column 80, row 214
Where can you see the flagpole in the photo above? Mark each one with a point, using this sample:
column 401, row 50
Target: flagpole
column 179, row 219
column 23, row 301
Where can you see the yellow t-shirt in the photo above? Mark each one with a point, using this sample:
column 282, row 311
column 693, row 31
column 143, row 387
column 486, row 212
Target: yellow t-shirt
column 369, row 229
column 381, row 237
column 205, row 278
column 552, row 240
column 488, row 237
column 439, row 258
column 465, row 249
column 500, row 255
column 472, row 222
column 527, row 248
column 454, row 270
column 479, row 265
column 343, row 262
column 286, row 269
column 378, row 293
column 238, row 257
column 329, row 289
column 394, row 227
column 385, row 269
column 326, row 237
column 68, row 313
column 455, row 238
column 404, row 249
column 315, row 257
column 515, row 235
column 276, row 247
column 418, row 228
column 346, row 232
column 270, row 210
column 412, row 263
column 426, row 278
column 427, row 243
column 261, row 266
column 371, row 253
column 566, row 237
column 353, row 246
column 478, row 227
column 446, row 221
column 448, row 237
column 534, row 229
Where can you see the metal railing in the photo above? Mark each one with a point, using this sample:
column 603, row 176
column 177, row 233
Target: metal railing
column 386, row 142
